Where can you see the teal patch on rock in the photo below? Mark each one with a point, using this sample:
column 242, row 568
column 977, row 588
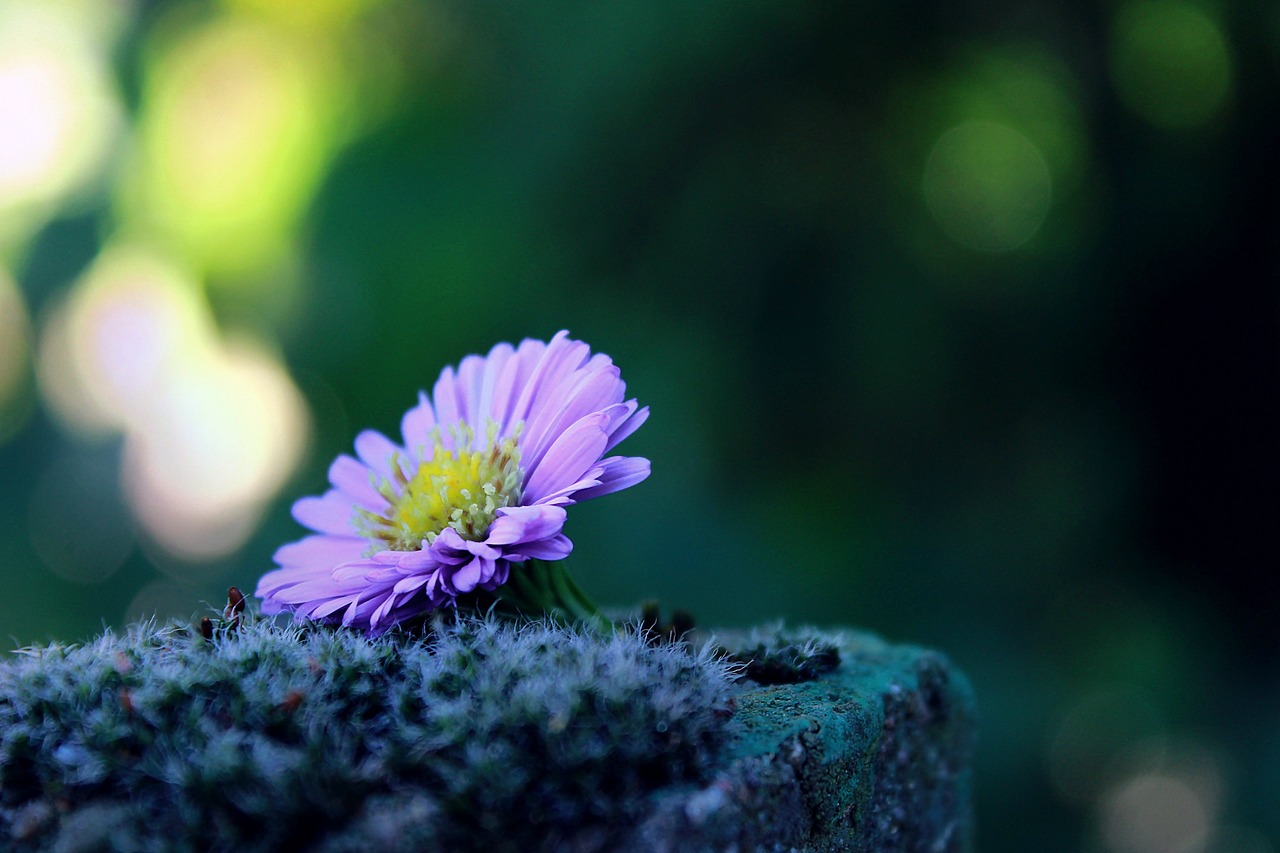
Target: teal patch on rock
column 874, row 756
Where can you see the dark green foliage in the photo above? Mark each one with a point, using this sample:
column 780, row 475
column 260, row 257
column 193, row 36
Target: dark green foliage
column 478, row 736
column 781, row 656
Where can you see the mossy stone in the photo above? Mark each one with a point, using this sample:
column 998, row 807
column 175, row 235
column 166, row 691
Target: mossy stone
column 481, row 735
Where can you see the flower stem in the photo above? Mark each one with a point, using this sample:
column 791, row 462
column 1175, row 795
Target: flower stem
column 538, row 587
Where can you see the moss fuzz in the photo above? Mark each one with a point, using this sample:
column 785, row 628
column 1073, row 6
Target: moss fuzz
column 777, row 655
column 480, row 735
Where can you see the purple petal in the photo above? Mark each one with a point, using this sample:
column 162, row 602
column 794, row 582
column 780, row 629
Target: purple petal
column 593, row 393
column 356, row 479
column 467, row 578
column 354, row 609
column 328, row 608
column 576, row 450
column 270, row 606
column 282, row 579
column 501, row 572
column 620, row 472
column 565, row 495
column 401, row 610
column 320, row 550
column 413, row 562
column 504, row 388
column 322, row 586
column 377, row 451
column 482, row 549
column 469, row 387
column 360, row 610
column 449, row 545
column 364, row 570
column 556, row 548
column 490, row 384
column 415, row 426
column 413, row 583
column 445, row 397
column 332, row 513
column 625, row 427
column 525, row 523
column 561, row 358
column 521, row 367
column 380, row 614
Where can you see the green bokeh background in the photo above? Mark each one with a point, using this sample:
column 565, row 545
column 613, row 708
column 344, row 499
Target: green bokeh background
column 958, row 323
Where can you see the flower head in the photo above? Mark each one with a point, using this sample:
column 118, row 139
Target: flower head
column 488, row 464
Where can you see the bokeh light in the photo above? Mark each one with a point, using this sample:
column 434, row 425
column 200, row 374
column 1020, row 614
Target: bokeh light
column 212, row 428
column 998, row 147
column 236, row 126
column 1167, row 799
column 1157, row 813
column 1096, row 732
column 222, row 441
column 987, row 185
column 58, row 114
column 1027, row 88
column 15, row 342
column 309, row 14
column 133, row 325
column 1171, row 62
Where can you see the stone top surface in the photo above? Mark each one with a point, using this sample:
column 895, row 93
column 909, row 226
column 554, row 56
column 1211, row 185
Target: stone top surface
column 874, row 755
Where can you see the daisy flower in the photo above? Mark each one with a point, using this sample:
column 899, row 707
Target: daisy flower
column 473, row 499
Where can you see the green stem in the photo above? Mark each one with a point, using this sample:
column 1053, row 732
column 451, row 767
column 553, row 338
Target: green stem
column 521, row 591
column 537, row 587
column 586, row 608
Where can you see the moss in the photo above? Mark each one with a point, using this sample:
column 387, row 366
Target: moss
column 480, row 736
column 776, row 655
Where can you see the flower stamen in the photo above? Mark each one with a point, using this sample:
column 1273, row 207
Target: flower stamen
column 462, row 488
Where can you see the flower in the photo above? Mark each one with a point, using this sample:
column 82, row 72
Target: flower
column 489, row 463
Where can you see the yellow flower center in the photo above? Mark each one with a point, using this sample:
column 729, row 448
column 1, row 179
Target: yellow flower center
column 460, row 488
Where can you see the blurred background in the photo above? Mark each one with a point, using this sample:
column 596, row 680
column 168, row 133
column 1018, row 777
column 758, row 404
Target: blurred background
column 959, row 322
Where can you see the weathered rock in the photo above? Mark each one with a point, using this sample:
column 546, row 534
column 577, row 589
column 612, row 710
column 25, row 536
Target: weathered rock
column 482, row 737
column 874, row 756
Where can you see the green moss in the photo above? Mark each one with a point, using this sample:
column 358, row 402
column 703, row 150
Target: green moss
column 775, row 655
column 481, row 736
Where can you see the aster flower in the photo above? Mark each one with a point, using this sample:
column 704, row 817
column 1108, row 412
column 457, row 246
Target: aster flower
column 474, row 498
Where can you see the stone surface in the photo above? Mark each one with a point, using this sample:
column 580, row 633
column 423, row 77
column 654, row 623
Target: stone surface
column 482, row 736
column 874, row 756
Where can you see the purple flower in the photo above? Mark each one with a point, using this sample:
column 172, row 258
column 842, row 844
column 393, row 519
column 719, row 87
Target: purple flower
column 487, row 467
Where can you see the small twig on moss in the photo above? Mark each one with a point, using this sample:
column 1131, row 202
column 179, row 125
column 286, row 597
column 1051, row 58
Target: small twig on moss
column 234, row 615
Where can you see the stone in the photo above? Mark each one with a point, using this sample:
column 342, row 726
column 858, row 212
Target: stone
column 873, row 756
column 482, row 735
